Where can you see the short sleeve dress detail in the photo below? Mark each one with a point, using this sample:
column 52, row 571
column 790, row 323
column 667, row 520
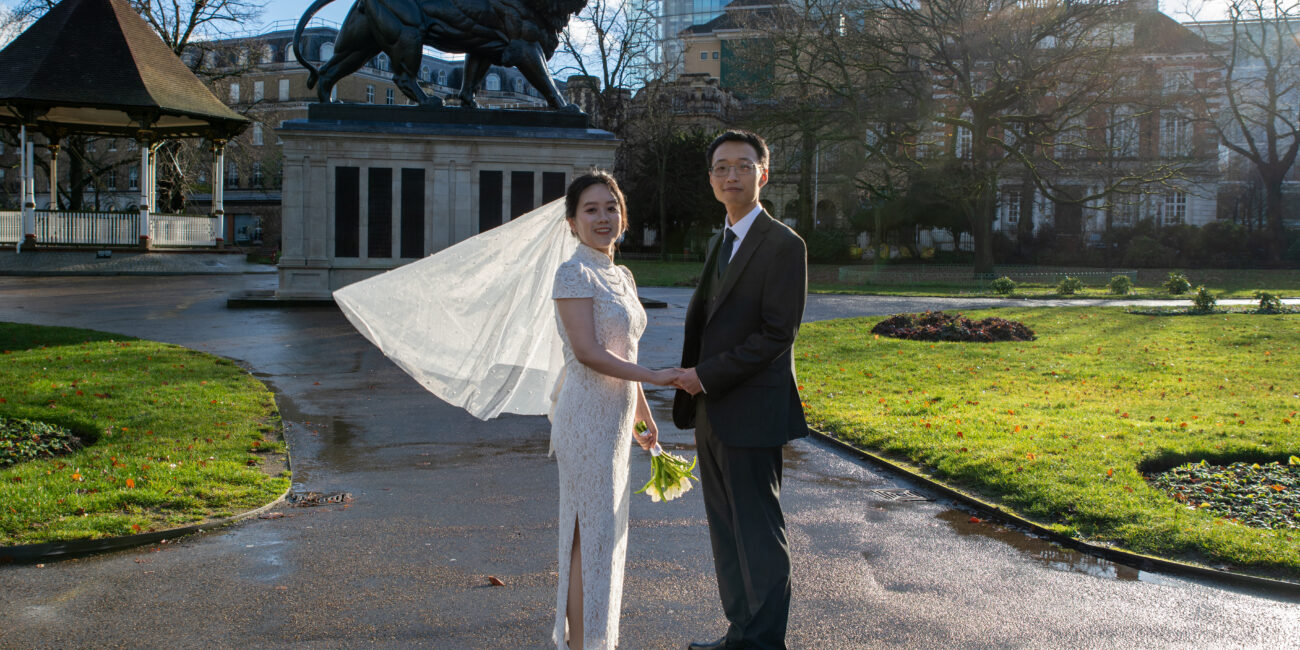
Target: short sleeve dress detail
column 591, row 434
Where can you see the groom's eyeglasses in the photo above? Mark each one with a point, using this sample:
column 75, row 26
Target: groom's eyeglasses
column 742, row 169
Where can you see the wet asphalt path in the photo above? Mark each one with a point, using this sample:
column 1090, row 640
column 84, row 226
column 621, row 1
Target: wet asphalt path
column 443, row 500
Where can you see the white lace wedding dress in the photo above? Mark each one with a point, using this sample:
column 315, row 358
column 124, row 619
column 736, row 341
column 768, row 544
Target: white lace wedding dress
column 591, row 433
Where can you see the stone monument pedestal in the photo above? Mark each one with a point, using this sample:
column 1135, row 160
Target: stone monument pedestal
column 369, row 188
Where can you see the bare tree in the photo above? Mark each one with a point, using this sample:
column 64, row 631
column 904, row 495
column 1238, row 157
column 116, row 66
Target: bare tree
column 176, row 22
column 614, row 43
column 995, row 89
column 1257, row 47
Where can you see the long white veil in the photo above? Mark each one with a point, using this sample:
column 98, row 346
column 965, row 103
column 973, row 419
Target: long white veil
column 474, row 323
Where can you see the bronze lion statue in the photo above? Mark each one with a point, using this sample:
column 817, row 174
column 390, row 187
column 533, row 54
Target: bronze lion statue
column 517, row 33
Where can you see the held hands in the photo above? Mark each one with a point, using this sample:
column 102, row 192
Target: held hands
column 665, row 377
column 683, row 378
column 688, row 381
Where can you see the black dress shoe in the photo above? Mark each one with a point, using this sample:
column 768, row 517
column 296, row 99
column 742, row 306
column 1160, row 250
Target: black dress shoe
column 720, row 644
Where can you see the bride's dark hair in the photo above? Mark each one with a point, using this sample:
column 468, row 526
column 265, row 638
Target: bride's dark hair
column 580, row 185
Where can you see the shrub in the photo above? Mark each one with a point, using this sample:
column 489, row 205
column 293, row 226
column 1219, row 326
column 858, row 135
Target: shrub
column 1120, row 285
column 828, row 246
column 1003, row 286
column 1069, row 286
column 939, row 326
column 22, row 440
column 1144, row 251
column 1268, row 303
column 1177, row 284
column 1203, row 301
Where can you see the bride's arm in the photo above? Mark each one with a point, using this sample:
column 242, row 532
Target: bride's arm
column 643, row 414
column 578, row 317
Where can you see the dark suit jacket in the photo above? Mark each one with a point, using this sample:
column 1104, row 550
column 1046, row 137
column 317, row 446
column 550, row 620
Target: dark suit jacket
column 741, row 345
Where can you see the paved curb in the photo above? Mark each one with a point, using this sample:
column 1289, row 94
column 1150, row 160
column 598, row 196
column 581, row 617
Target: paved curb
column 1289, row 590
column 59, row 550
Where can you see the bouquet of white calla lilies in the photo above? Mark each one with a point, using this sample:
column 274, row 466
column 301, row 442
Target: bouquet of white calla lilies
column 670, row 475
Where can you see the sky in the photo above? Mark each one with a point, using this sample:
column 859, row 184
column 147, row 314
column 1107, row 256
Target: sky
column 291, row 10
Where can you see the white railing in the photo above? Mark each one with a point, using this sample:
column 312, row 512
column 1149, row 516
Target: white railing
column 11, row 226
column 93, row 228
column 182, row 230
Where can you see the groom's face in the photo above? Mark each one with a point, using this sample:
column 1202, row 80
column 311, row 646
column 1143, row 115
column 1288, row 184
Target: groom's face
column 735, row 174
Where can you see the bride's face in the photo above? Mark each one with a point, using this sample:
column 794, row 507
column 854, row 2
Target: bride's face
column 597, row 222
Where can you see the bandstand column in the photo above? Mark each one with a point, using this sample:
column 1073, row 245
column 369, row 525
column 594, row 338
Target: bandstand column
column 145, row 190
column 219, row 190
column 54, row 174
column 28, row 186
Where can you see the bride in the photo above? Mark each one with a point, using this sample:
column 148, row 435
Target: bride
column 533, row 317
column 598, row 400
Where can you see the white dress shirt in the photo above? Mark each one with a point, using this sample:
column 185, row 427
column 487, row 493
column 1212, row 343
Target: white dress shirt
column 741, row 227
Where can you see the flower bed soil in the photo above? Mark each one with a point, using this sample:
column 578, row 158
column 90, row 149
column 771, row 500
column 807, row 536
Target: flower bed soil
column 941, row 326
column 1251, row 494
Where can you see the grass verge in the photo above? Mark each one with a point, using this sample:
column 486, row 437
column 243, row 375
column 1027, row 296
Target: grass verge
column 914, row 281
column 1062, row 429
column 172, row 436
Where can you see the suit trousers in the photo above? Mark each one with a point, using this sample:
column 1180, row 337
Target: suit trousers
column 751, row 555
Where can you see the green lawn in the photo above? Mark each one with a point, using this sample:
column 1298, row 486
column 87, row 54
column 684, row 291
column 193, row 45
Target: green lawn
column 1060, row 429
column 173, row 436
column 918, row 280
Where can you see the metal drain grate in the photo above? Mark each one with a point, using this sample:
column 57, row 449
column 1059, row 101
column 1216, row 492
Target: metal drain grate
column 306, row 499
column 899, row 494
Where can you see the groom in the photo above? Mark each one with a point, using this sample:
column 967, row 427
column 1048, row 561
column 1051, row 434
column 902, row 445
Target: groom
column 739, row 393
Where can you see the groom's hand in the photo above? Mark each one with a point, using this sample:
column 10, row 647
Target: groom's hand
column 689, row 382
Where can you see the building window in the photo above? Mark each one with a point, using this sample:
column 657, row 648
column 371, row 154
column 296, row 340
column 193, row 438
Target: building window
column 327, row 51
column 133, row 179
column 257, row 173
column 424, row 73
column 1124, row 213
column 1124, row 135
column 715, row 55
column 1010, row 208
column 704, row 56
column 112, row 144
column 284, row 90
column 381, row 62
column 442, row 77
column 268, row 53
column 493, row 82
column 1174, row 210
column 132, row 145
column 1175, row 136
column 257, row 134
column 963, row 143
column 234, row 93
column 259, row 91
column 370, row 94
column 111, row 181
column 388, row 96
column 90, row 146
column 232, row 175
column 519, row 86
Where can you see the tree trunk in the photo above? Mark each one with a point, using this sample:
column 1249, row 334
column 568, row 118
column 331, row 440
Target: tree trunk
column 76, row 173
column 807, row 154
column 982, row 231
column 663, row 206
column 1273, row 210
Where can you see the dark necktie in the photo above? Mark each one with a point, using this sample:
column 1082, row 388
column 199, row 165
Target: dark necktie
column 724, row 255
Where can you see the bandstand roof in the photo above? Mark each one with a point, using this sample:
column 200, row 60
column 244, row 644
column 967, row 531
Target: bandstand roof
column 96, row 67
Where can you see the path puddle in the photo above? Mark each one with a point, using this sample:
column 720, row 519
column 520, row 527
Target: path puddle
column 1045, row 552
